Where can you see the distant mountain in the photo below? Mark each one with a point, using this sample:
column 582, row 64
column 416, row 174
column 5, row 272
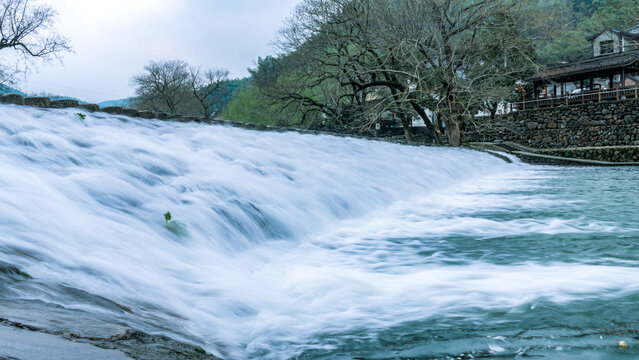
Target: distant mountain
column 122, row 102
column 4, row 89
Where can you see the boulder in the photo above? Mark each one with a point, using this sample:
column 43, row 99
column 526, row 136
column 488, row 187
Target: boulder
column 148, row 114
column 89, row 107
column 130, row 112
column 42, row 102
column 112, row 109
column 61, row 104
column 15, row 99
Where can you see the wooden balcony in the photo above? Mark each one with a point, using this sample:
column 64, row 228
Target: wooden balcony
column 596, row 96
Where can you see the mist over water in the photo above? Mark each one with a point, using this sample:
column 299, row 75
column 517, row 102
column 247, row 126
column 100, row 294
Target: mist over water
column 285, row 245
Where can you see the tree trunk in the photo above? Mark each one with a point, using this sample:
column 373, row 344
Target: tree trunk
column 453, row 132
column 429, row 126
column 407, row 129
column 493, row 110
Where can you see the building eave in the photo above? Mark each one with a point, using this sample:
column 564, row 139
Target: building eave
column 589, row 66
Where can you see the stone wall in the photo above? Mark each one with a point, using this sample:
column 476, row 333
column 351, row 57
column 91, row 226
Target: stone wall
column 590, row 125
column 43, row 102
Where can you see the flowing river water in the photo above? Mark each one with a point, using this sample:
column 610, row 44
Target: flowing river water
column 292, row 246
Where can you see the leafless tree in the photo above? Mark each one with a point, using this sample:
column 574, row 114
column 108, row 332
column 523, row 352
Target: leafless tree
column 448, row 56
column 27, row 28
column 175, row 87
column 163, row 87
column 203, row 85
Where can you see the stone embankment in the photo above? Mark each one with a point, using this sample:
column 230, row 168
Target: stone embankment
column 607, row 131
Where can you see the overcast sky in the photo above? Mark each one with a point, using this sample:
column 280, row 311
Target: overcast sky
column 112, row 40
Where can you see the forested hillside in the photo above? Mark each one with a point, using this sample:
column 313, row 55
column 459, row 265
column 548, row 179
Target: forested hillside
column 575, row 20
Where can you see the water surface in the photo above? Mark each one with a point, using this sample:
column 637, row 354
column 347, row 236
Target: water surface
column 290, row 246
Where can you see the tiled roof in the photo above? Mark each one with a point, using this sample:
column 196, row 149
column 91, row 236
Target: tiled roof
column 599, row 63
column 630, row 33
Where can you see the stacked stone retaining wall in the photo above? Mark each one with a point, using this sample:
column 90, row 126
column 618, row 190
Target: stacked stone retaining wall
column 590, row 125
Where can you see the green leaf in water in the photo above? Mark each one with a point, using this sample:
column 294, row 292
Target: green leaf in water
column 167, row 217
column 81, row 116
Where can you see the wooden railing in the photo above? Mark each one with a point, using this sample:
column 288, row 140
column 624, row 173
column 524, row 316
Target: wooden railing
column 576, row 99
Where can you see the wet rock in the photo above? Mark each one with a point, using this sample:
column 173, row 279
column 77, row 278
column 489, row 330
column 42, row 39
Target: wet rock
column 148, row 114
column 66, row 103
column 13, row 272
column 18, row 342
column 89, row 107
column 130, row 112
column 113, row 109
column 42, row 102
column 150, row 347
column 15, row 99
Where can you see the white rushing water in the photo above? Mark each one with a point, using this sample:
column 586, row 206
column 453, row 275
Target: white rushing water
column 277, row 239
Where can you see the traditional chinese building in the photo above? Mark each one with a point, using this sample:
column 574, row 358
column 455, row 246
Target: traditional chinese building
column 612, row 72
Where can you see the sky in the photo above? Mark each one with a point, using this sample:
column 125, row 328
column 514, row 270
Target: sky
column 112, row 40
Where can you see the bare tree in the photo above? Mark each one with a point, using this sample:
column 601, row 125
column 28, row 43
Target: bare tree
column 412, row 54
column 163, row 87
column 203, row 85
column 28, row 28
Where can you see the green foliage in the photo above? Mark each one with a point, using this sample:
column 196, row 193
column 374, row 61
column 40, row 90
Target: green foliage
column 572, row 21
column 291, row 89
column 250, row 105
column 81, row 116
column 200, row 350
column 167, row 217
column 227, row 92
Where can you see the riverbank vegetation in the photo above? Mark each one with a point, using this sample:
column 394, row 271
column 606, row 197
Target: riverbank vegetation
column 344, row 63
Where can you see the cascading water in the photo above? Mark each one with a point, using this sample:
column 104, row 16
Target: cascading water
column 313, row 247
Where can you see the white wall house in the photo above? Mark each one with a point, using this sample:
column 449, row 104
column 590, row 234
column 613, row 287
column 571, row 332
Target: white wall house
column 612, row 41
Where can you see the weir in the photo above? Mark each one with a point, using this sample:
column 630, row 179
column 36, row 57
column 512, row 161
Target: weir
column 288, row 245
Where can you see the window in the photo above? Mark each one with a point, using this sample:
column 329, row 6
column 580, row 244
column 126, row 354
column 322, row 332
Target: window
column 606, row 47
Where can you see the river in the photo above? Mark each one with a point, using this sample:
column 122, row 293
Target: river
column 294, row 246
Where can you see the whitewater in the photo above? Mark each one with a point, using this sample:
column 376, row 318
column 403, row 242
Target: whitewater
column 296, row 246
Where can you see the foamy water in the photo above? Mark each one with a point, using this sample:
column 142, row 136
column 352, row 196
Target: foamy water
column 300, row 246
